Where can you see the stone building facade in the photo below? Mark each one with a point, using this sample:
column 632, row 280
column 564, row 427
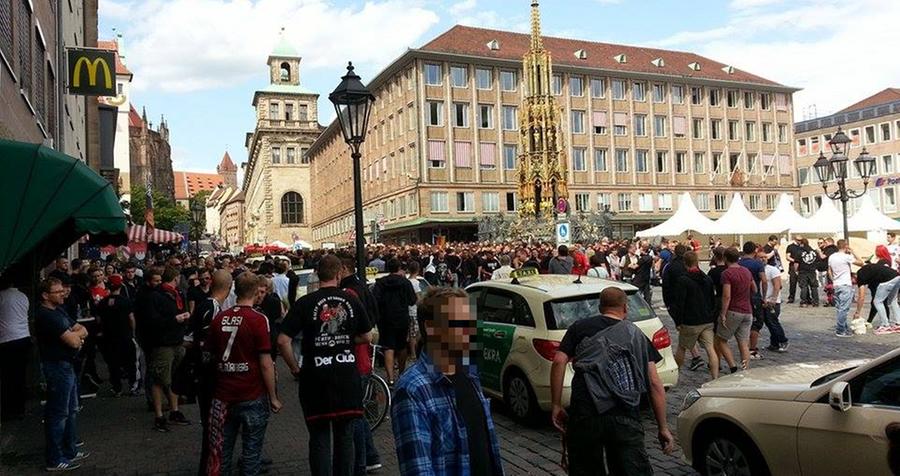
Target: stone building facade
column 276, row 178
column 640, row 126
column 151, row 154
column 872, row 123
column 231, row 215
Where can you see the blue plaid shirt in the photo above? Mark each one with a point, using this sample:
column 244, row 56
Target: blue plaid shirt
column 429, row 431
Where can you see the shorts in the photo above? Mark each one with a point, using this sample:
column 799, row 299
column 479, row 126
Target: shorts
column 163, row 362
column 688, row 336
column 736, row 324
column 759, row 314
column 394, row 338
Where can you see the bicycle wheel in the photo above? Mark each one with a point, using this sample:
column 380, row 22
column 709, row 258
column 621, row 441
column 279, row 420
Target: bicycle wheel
column 376, row 401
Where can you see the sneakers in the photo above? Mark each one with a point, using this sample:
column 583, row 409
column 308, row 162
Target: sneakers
column 160, row 425
column 371, row 468
column 61, row 467
column 895, row 328
column 177, row 418
column 755, row 355
column 843, row 334
column 783, row 347
column 696, row 363
column 80, row 456
column 882, row 330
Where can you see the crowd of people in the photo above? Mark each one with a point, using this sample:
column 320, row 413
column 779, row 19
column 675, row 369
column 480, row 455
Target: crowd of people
column 182, row 328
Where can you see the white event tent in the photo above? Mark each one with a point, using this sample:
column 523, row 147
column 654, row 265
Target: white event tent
column 687, row 217
column 868, row 218
column 785, row 217
column 827, row 219
column 738, row 221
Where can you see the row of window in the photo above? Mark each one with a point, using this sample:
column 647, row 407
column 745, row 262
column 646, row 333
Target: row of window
column 872, row 134
column 276, row 113
column 884, row 198
column 23, row 49
column 619, row 88
column 885, row 165
column 389, row 210
column 289, row 155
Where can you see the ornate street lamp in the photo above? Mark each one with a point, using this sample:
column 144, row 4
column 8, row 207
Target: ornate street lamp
column 197, row 212
column 836, row 169
column 353, row 104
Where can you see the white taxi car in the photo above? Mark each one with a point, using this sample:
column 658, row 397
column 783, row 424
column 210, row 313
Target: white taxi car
column 521, row 322
column 807, row 418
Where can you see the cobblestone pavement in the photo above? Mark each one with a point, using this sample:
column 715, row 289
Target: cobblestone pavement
column 118, row 430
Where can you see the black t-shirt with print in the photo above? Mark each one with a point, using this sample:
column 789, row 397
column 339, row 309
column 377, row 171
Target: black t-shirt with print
column 328, row 320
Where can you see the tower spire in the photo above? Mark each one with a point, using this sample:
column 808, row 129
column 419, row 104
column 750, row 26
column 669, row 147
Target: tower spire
column 536, row 43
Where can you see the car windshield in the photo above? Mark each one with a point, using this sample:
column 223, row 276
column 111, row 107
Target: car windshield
column 562, row 313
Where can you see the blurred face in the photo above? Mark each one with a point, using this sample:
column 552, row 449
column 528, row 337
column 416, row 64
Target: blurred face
column 261, row 294
column 205, row 279
column 62, row 264
column 449, row 336
column 96, row 277
column 155, row 280
column 56, row 296
column 129, row 273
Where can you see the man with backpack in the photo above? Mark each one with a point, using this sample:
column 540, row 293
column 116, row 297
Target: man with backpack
column 615, row 364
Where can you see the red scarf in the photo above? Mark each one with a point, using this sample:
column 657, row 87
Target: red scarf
column 168, row 288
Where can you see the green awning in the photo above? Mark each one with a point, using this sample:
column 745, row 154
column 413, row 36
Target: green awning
column 49, row 201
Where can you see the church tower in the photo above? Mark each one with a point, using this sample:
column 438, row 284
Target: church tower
column 542, row 162
column 228, row 171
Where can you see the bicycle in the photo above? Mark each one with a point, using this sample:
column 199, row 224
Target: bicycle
column 376, row 395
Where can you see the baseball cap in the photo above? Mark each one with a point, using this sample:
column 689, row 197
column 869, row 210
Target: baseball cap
column 115, row 281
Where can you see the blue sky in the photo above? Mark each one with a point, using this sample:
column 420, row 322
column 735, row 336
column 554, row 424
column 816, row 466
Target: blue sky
column 199, row 61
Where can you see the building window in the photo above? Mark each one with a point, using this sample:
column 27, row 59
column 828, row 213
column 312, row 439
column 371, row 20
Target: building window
column 870, row 134
column 749, row 99
column 750, row 131
column 803, row 175
column 887, row 164
column 640, row 124
column 677, row 94
column 720, row 202
column 290, row 155
column 696, row 95
column 751, row 162
column 765, row 101
column 618, row 89
column 512, row 204
column 274, row 111
column 6, row 29
column 639, row 91
column 599, row 122
column 483, row 78
column 25, row 66
column 603, row 201
column 782, row 134
column 640, row 161
column 288, row 111
column 490, row 202
column 285, row 72
column 767, row 132
column 433, row 74
column 801, row 147
column 439, row 202
column 624, row 200
column 734, row 131
column 598, row 88
column 886, row 131
column 733, row 98
column 576, row 86
column 734, row 162
column 699, row 162
column 462, row 154
column 485, row 116
column 697, row 129
column 435, row 113
column 659, row 126
column 509, row 156
column 460, row 114
column 276, row 155
column 755, row 202
column 645, row 202
column 659, row 92
column 715, row 129
column 804, row 206
column 600, row 160
column 459, row 76
column 303, row 112
column 665, row 202
column 291, row 208
column 703, row 202
column 508, row 80
column 715, row 97
column 38, row 96
column 716, row 162
column 578, row 161
column 304, row 157
column 556, row 84
column 582, row 202
column 770, row 201
column 578, row 122
column 621, row 160
column 510, row 118
column 436, row 154
column 681, row 166
column 465, row 201
column 662, row 161
column 890, row 200
column 854, row 138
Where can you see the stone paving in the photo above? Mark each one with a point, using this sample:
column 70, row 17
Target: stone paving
column 118, row 431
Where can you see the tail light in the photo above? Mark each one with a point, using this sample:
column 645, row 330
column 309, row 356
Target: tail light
column 546, row 348
column 661, row 339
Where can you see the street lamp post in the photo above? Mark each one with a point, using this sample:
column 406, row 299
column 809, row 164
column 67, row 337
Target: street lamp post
column 353, row 104
column 197, row 216
column 836, row 168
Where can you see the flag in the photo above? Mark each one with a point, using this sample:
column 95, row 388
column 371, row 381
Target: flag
column 149, row 221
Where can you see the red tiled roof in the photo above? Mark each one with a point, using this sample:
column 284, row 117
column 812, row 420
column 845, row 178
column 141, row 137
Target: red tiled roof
column 883, row 97
column 226, row 163
column 472, row 41
column 134, row 119
column 114, row 45
column 188, row 184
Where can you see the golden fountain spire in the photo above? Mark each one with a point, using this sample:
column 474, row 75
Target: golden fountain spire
column 542, row 159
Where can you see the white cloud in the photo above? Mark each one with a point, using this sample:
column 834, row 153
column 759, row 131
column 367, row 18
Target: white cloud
column 114, row 10
column 462, row 7
column 189, row 45
column 800, row 46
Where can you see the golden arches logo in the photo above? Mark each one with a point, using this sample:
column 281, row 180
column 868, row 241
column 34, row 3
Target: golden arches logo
column 92, row 67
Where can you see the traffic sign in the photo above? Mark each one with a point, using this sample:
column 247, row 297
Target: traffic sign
column 563, row 233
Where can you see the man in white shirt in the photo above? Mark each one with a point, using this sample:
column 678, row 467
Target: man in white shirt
column 772, row 310
column 503, row 271
column 15, row 349
column 280, row 281
column 894, row 249
column 839, row 270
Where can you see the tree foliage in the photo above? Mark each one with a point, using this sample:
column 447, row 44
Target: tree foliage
column 166, row 213
column 197, row 229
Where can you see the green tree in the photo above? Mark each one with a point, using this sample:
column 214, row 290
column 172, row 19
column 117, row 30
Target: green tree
column 166, row 213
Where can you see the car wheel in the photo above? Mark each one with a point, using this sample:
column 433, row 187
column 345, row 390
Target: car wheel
column 519, row 397
column 732, row 455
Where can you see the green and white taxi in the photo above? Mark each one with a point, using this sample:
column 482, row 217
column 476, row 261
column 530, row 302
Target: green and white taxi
column 521, row 322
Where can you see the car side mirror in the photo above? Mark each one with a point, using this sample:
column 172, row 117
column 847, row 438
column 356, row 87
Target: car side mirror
column 839, row 396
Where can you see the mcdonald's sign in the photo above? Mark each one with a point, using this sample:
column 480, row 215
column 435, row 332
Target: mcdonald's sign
column 92, row 72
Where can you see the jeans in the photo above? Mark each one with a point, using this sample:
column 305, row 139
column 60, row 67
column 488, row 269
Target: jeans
column 620, row 438
column 14, row 357
column 249, row 418
column 792, row 282
column 331, row 447
column 776, row 332
column 809, row 287
column 843, row 296
column 60, row 412
column 887, row 293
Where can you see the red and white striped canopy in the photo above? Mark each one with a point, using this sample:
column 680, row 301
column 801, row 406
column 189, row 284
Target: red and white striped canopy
column 139, row 233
